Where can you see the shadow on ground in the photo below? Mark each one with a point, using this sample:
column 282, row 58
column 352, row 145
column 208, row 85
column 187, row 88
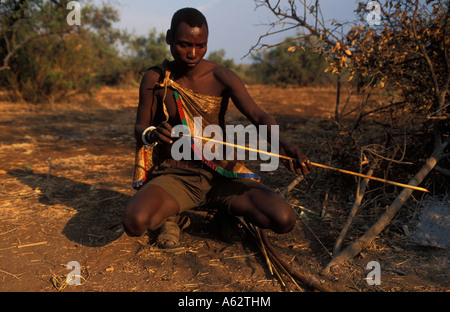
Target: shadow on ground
column 98, row 220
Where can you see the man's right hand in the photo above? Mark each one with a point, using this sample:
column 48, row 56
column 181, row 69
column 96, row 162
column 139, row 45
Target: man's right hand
column 162, row 134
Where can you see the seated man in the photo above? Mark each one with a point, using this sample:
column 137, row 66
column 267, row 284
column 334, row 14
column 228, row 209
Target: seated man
column 172, row 94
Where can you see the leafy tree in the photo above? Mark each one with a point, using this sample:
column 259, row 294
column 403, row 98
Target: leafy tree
column 244, row 71
column 145, row 51
column 45, row 58
column 281, row 66
column 219, row 58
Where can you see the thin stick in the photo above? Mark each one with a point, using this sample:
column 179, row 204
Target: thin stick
column 15, row 276
column 269, row 263
column 292, row 185
column 315, row 164
column 275, row 260
column 252, row 229
column 359, row 196
column 32, row 244
column 371, row 178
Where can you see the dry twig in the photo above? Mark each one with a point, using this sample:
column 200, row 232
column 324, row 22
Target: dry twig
column 359, row 195
column 10, row 274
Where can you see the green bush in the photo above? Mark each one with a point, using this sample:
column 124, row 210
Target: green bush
column 280, row 67
column 52, row 59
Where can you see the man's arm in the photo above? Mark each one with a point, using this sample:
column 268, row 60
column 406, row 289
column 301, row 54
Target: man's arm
column 147, row 104
column 146, row 111
column 255, row 114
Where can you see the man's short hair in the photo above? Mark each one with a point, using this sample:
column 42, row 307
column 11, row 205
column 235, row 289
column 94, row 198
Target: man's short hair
column 190, row 16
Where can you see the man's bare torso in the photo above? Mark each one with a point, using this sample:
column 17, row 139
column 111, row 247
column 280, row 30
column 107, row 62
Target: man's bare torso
column 203, row 81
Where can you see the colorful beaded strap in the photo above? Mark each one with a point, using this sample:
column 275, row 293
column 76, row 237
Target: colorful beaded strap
column 198, row 152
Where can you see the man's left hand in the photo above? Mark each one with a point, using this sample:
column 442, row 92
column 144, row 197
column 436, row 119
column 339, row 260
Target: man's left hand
column 298, row 163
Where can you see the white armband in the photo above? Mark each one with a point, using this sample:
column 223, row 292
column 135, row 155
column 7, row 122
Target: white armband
column 151, row 128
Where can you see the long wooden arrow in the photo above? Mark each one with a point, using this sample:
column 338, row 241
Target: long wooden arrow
column 313, row 164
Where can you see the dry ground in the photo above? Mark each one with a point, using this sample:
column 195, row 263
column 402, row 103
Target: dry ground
column 66, row 176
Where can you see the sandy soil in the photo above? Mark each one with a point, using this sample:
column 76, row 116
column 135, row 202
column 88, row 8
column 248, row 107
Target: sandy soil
column 66, row 174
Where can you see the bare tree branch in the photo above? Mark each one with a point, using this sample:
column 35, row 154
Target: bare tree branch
column 16, row 48
column 288, row 16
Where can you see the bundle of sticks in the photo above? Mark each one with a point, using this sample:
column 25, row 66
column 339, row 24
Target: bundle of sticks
column 278, row 266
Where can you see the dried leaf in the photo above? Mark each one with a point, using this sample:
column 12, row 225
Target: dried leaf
column 338, row 46
column 292, row 49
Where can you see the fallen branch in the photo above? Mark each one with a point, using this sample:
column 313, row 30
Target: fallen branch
column 359, row 195
column 364, row 241
column 443, row 170
column 294, row 183
column 309, row 281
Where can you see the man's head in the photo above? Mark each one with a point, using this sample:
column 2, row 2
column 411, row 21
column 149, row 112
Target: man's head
column 190, row 16
column 188, row 37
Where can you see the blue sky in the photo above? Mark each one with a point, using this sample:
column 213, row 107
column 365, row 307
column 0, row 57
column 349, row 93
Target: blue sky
column 235, row 25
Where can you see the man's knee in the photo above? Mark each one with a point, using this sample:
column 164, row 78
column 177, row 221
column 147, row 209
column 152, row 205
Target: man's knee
column 284, row 220
column 134, row 222
column 282, row 216
column 143, row 214
column 278, row 214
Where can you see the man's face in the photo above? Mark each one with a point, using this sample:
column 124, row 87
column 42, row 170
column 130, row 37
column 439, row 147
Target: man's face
column 189, row 44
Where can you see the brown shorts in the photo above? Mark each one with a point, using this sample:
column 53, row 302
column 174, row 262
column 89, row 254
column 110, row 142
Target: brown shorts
column 197, row 187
